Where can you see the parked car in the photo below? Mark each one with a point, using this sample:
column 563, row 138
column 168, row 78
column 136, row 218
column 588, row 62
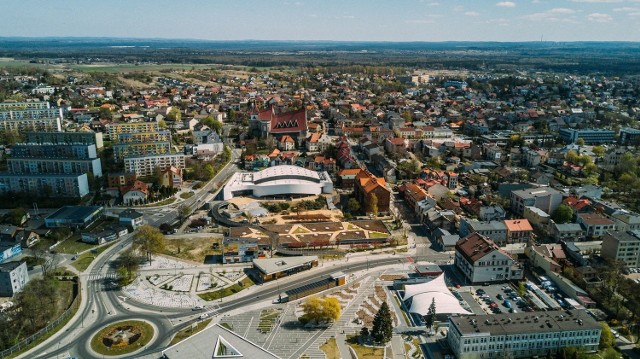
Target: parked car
column 507, row 304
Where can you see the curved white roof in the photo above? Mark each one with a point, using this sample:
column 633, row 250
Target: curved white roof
column 423, row 294
column 285, row 170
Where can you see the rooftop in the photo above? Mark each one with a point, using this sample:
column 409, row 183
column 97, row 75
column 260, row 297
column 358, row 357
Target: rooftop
column 74, row 212
column 275, row 265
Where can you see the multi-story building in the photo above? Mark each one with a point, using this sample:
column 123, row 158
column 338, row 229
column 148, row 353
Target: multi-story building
column 114, row 129
column 590, row 136
column 629, row 137
column 482, row 261
column 518, row 230
column 54, row 185
column 146, row 165
column 29, row 166
column 123, row 150
column 37, row 117
column 79, row 151
column 66, row 138
column 544, row 198
column 143, row 137
column 34, row 105
column 594, row 224
column 13, row 277
column 238, row 250
column 522, row 335
column 494, row 230
column 367, row 186
column 622, row 246
column 119, row 179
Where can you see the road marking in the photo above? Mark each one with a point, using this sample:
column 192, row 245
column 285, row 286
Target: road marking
column 122, row 298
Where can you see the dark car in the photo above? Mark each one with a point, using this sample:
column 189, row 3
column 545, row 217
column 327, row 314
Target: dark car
column 480, row 291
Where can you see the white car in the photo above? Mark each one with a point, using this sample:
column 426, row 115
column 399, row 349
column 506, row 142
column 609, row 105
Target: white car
column 198, row 307
column 204, row 316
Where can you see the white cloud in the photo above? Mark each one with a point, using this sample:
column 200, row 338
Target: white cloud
column 506, row 4
column 634, row 14
column 499, row 22
column 599, row 17
column 472, row 13
column 562, row 10
column 626, row 9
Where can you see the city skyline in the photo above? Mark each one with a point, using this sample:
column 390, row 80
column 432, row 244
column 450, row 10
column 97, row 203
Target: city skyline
column 377, row 20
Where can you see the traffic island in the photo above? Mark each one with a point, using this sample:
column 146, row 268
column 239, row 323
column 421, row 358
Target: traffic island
column 122, row 338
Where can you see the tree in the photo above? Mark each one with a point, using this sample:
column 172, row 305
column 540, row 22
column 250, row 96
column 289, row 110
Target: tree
column 572, row 156
column 606, row 338
column 105, row 113
column 174, row 114
column 598, row 151
column 373, row 204
column 562, row 214
column 364, row 333
column 320, row 310
column 590, row 169
column 522, row 289
column 183, row 212
column 17, row 216
column 149, row 240
column 209, row 172
column 430, row 318
column 580, row 141
column 382, row 330
column 213, row 124
column 162, row 124
column 353, row 205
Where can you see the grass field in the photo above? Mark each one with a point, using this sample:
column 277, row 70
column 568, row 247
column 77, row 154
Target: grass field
column 73, row 245
column 225, row 292
column 193, row 249
column 84, row 260
column 146, row 335
column 162, row 203
column 364, row 352
column 330, row 349
column 186, row 195
column 186, row 333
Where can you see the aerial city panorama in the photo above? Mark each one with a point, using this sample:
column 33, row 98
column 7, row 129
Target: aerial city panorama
column 358, row 179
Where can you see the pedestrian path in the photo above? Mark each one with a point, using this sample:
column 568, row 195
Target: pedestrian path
column 101, row 276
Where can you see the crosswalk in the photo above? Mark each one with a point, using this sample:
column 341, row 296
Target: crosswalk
column 103, row 276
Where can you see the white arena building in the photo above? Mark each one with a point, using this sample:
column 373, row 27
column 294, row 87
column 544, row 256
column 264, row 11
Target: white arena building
column 278, row 180
column 423, row 294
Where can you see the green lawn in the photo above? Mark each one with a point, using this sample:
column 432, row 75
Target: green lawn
column 146, row 336
column 161, row 203
column 84, row 260
column 186, row 333
column 330, row 349
column 225, row 292
column 364, row 352
column 73, row 245
column 378, row 235
column 186, row 195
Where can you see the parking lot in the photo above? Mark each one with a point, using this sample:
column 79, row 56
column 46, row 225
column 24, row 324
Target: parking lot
column 499, row 298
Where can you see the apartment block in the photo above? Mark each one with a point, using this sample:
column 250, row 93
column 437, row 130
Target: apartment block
column 622, row 246
column 142, row 137
column 544, row 198
column 39, row 119
column 13, row 277
column 34, row 105
column 123, row 150
column 146, row 165
column 30, row 166
column 58, row 185
column 114, row 129
column 78, row 151
column 67, row 138
column 590, row 136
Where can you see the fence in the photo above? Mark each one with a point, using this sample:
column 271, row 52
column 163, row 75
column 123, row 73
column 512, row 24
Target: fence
column 25, row 343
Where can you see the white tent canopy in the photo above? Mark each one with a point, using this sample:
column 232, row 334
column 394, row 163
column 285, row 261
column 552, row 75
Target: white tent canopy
column 423, row 294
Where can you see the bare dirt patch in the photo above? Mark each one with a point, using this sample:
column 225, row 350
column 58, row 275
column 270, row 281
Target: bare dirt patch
column 193, row 249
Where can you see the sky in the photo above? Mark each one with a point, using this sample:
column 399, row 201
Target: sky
column 338, row 20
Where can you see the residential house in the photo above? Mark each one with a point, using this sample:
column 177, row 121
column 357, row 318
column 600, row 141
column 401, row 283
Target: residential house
column 135, row 193
column 565, row 231
column 537, row 217
column 131, row 218
column 171, row 177
column 626, row 221
column 482, row 261
column 347, row 177
column 594, row 224
column 445, row 240
column 286, row 143
column 518, row 230
column 548, row 257
column 395, row 146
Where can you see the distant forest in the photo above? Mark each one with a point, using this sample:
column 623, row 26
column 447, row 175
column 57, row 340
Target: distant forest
column 613, row 58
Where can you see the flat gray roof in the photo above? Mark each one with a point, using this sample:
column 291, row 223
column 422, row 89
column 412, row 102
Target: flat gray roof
column 275, row 265
column 525, row 323
column 74, row 212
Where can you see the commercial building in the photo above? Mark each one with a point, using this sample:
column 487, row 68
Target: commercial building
column 38, row 117
column 482, row 261
column 13, row 277
column 73, row 216
column 146, row 165
column 522, row 335
column 78, row 151
column 622, row 246
column 544, row 198
column 55, row 185
column 629, row 137
column 131, row 218
column 29, row 166
column 9, row 250
column 274, row 268
column 278, row 181
column 590, row 136
column 123, row 150
column 67, row 138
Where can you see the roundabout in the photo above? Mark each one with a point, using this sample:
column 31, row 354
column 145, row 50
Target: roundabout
column 124, row 337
